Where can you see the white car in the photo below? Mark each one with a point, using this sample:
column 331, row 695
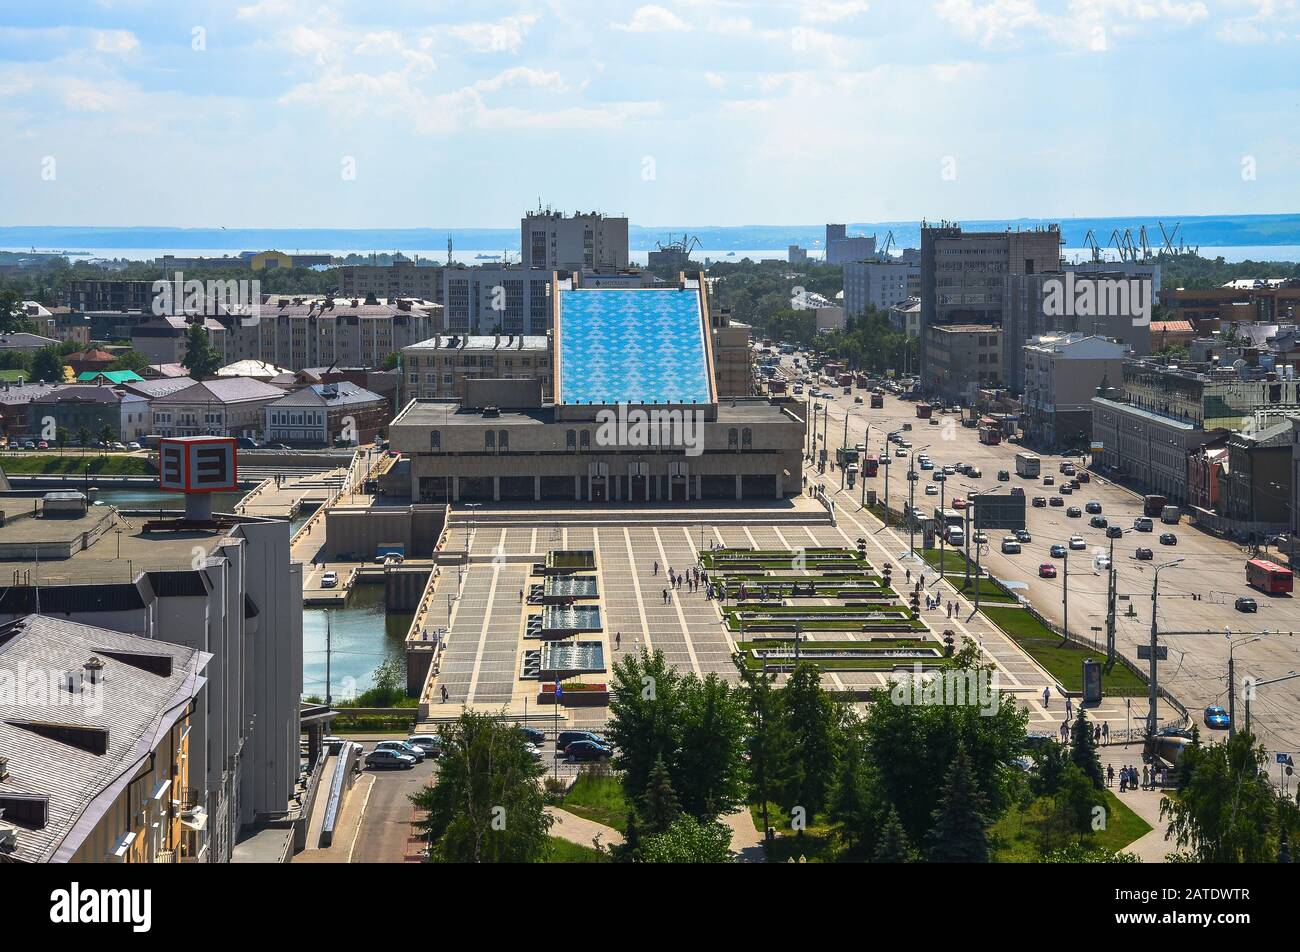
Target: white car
column 980, row 537
column 931, row 489
column 1103, row 563
column 329, row 580
column 1076, row 542
column 1010, row 545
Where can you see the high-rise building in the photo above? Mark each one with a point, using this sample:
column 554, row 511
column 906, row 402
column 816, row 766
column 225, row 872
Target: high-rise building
column 496, row 299
column 878, row 284
column 842, row 247
column 409, row 279
column 552, row 241
column 964, row 274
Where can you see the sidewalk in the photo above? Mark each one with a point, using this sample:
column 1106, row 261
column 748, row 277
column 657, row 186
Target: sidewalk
column 1145, row 803
column 575, row 829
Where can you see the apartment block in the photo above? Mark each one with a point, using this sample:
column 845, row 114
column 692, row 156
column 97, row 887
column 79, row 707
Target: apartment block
column 1061, row 374
column 496, row 299
column 552, row 241
column 438, row 367
column 879, row 284
column 401, row 279
column 964, row 358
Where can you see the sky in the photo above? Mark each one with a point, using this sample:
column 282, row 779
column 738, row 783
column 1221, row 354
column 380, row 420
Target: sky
column 397, row 113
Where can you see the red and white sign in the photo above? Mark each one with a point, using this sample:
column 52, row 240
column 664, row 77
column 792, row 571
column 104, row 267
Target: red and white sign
column 197, row 464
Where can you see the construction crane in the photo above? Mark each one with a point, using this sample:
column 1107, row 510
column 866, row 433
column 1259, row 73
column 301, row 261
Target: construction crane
column 684, row 247
column 1091, row 241
column 889, row 243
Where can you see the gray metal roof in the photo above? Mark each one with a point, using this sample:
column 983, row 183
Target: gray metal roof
column 139, row 701
column 318, row 395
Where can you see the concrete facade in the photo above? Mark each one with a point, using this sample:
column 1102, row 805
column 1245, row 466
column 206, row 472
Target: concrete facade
column 964, row 358
column 879, row 284
column 553, row 241
column 1061, row 375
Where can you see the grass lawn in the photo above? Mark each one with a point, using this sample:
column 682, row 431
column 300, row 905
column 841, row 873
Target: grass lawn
column 989, row 591
column 562, row 851
column 953, row 561
column 818, row 844
column 1015, row 841
column 599, row 798
column 41, row 465
column 1063, row 663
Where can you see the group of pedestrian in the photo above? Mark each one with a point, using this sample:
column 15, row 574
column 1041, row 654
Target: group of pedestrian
column 1128, row 778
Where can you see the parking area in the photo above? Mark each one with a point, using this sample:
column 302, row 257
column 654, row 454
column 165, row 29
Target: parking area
column 1196, row 599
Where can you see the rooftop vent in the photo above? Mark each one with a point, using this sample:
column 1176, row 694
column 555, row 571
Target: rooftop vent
column 4, row 768
column 94, row 670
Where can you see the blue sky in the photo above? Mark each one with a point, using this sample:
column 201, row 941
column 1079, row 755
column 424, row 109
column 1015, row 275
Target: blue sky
column 254, row 112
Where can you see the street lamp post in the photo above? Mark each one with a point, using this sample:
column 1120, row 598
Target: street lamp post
column 1153, row 687
column 1232, row 684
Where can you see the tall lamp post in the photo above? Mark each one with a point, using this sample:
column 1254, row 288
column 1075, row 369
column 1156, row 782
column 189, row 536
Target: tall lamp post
column 1232, row 684
column 1153, row 687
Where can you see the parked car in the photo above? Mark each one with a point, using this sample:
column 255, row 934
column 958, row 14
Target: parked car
column 386, row 758
column 1057, row 551
column 1216, row 718
column 1144, row 555
column 1093, row 506
column 245, row 443
column 402, row 747
column 1246, row 604
column 1040, row 502
column 42, row 445
column 1047, row 570
column 133, row 446
column 1076, row 542
column 431, row 744
column 565, row 738
column 1056, row 501
column 1168, row 538
column 329, row 580
column 533, row 735
column 586, row 750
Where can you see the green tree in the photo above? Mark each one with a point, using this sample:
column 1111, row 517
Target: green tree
column 854, row 805
column 131, row 360
column 83, row 437
column 659, row 805
column 61, row 438
column 959, row 833
column 1050, row 761
column 688, row 840
column 710, row 766
column 643, row 710
column 106, row 436
column 810, row 717
column 486, row 804
column 1083, row 750
column 1228, row 812
column 893, row 846
column 769, row 743
column 201, row 359
column 912, row 744
column 47, row 365
column 391, row 361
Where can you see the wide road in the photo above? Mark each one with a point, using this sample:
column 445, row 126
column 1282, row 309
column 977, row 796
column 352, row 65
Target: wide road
column 1213, row 569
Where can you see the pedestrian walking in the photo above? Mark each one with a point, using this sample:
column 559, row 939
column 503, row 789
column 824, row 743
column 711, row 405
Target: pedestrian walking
column 1146, row 777
column 618, row 640
column 1065, row 731
column 1096, row 733
column 1123, row 779
column 444, row 693
column 1110, row 775
column 1047, row 694
column 1069, row 706
column 1105, row 731
column 656, row 571
column 521, row 596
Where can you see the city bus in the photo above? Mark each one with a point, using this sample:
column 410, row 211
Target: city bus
column 990, row 431
column 870, row 466
column 1268, row 576
column 877, row 401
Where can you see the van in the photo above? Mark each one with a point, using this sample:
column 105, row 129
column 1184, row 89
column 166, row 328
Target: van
column 956, row 535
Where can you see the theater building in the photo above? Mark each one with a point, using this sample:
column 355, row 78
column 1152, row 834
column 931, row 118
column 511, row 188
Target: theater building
column 636, row 416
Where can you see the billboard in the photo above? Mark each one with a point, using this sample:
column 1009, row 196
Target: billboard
column 998, row 511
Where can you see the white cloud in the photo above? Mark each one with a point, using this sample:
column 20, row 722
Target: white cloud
column 831, row 11
column 115, row 41
column 501, row 36
column 523, row 76
column 1085, row 24
column 653, row 19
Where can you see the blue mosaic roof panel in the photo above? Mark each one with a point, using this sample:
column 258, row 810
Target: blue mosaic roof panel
column 632, row 346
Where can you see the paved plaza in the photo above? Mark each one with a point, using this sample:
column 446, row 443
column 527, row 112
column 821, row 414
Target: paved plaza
column 483, row 656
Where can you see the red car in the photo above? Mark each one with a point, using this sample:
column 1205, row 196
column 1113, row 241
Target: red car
column 1047, row 570
column 958, row 502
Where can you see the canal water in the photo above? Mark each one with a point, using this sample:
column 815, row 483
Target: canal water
column 364, row 633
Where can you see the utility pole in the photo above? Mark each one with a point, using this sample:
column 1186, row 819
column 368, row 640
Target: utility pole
column 328, row 646
column 943, row 525
column 1112, row 584
column 1065, row 594
column 967, row 542
column 1153, row 688
column 1232, row 683
column 1259, row 684
column 911, row 506
column 844, row 443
